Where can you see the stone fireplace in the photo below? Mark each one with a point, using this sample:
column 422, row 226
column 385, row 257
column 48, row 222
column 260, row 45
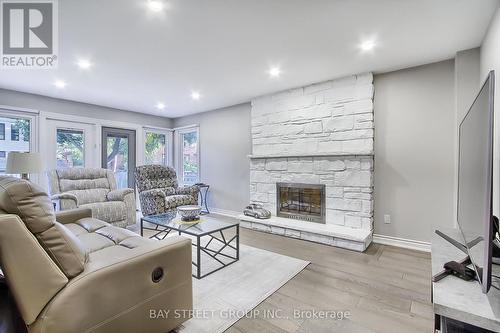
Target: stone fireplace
column 298, row 201
column 320, row 135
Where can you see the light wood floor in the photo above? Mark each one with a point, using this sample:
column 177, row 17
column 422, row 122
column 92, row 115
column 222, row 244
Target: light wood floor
column 385, row 289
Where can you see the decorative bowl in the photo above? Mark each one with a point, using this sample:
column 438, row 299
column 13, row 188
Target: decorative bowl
column 189, row 213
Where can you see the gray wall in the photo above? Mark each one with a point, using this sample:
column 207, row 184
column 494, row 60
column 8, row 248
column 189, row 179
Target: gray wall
column 225, row 144
column 49, row 104
column 467, row 64
column 414, row 150
column 490, row 60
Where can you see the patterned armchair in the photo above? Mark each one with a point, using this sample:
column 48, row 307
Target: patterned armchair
column 159, row 191
column 93, row 188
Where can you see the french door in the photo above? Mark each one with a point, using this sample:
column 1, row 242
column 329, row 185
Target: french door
column 118, row 154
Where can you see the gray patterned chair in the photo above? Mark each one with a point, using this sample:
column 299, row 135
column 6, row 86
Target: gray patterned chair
column 93, row 188
column 159, row 191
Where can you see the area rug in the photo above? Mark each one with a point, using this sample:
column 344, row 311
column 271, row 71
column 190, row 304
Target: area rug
column 222, row 298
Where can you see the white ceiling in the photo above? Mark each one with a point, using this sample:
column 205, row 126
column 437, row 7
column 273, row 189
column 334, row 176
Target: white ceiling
column 224, row 48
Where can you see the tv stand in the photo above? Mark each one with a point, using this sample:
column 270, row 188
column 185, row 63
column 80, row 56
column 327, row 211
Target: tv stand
column 464, row 262
column 457, row 299
column 463, row 248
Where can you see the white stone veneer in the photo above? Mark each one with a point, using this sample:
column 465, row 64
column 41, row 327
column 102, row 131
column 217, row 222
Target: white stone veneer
column 319, row 134
column 348, row 181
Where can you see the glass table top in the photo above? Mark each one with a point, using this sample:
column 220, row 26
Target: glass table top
column 205, row 226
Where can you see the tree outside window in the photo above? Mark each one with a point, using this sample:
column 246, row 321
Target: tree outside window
column 155, row 148
column 70, row 148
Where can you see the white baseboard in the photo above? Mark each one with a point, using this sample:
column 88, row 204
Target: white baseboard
column 230, row 213
column 379, row 239
column 402, row 242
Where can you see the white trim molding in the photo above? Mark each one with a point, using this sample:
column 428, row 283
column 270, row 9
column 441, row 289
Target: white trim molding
column 402, row 242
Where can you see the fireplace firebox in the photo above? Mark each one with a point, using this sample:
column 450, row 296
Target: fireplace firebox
column 301, row 201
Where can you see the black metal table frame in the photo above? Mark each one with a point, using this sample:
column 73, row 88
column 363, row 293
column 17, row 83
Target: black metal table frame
column 163, row 231
column 203, row 197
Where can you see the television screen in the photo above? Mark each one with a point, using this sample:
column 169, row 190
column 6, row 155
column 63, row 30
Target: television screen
column 475, row 173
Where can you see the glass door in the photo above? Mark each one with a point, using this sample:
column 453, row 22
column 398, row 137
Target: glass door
column 118, row 154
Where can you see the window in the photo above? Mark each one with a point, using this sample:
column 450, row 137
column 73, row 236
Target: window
column 155, row 148
column 14, row 133
column 20, row 127
column 70, row 148
column 189, row 159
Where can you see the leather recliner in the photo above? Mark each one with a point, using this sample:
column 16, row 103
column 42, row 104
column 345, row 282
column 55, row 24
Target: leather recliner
column 69, row 272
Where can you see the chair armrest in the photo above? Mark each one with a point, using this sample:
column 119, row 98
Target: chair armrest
column 189, row 190
column 104, row 279
column 73, row 215
column 119, row 194
column 152, row 202
column 65, row 195
column 153, row 193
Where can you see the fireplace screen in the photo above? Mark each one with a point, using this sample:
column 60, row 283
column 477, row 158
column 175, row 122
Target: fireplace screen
column 301, row 201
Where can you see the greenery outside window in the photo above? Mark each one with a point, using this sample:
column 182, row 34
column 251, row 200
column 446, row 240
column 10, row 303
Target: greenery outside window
column 70, row 148
column 155, row 150
column 189, row 156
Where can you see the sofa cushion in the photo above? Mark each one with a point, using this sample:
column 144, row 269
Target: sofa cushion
column 174, row 201
column 35, row 209
column 90, row 196
column 28, row 201
column 111, row 211
column 97, row 236
column 67, row 185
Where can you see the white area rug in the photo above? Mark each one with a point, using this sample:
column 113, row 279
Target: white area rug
column 233, row 291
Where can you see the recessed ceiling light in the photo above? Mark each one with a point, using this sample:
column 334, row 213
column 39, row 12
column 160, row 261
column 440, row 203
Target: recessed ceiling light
column 367, row 45
column 156, row 5
column 160, row 106
column 60, row 84
column 84, row 63
column 195, row 95
column 274, row 72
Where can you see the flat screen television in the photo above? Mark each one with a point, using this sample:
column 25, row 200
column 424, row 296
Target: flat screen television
column 475, row 182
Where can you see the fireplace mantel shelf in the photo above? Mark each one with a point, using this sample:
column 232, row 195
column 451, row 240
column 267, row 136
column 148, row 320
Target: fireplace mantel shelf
column 310, row 155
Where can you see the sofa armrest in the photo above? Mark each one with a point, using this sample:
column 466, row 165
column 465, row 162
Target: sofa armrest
column 119, row 194
column 65, row 200
column 127, row 309
column 73, row 215
column 189, row 190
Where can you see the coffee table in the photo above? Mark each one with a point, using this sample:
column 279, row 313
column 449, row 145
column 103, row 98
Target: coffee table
column 209, row 227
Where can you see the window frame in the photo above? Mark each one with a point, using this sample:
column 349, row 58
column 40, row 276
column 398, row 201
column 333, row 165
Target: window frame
column 33, row 117
column 2, row 132
column 179, row 132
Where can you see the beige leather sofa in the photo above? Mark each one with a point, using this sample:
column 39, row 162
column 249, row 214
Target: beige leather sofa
column 73, row 273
